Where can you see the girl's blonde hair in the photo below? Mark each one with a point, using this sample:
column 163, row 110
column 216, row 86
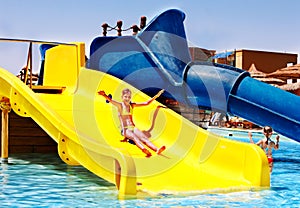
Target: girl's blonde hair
column 267, row 129
column 126, row 91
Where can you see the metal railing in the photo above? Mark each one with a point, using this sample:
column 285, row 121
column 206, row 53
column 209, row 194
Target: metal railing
column 28, row 68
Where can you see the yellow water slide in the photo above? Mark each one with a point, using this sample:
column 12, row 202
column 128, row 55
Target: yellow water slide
column 86, row 129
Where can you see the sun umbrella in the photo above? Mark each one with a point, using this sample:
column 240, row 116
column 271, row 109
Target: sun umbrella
column 289, row 72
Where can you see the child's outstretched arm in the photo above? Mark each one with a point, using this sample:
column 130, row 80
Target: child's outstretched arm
column 158, row 94
column 277, row 142
column 250, row 137
column 101, row 92
column 151, row 100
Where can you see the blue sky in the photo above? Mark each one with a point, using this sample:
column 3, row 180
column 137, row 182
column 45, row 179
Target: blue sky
column 268, row 25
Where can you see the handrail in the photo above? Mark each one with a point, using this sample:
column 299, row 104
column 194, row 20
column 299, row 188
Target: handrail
column 35, row 41
column 29, row 56
column 29, row 65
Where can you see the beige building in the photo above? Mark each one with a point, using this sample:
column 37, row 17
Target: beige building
column 278, row 69
column 265, row 61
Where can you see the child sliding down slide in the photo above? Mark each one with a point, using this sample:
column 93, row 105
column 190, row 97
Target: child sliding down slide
column 128, row 128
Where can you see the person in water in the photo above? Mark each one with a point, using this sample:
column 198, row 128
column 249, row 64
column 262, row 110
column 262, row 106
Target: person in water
column 267, row 144
column 129, row 129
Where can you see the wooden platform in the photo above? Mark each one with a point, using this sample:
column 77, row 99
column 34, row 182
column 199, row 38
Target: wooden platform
column 48, row 89
column 25, row 136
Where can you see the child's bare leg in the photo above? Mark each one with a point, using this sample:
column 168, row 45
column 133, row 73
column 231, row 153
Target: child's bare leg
column 143, row 138
column 147, row 142
column 271, row 166
column 129, row 134
column 137, row 141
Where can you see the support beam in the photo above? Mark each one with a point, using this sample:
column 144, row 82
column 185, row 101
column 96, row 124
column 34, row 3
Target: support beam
column 5, row 107
column 4, row 136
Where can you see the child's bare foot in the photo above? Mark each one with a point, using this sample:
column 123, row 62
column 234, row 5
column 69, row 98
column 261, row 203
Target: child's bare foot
column 148, row 154
column 160, row 150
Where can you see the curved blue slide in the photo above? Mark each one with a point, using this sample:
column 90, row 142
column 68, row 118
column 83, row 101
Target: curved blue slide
column 158, row 58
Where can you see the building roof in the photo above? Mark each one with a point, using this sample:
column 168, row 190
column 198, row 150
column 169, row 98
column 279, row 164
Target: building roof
column 261, row 76
column 290, row 87
column 255, row 73
column 271, row 80
column 223, row 54
column 268, row 52
column 287, row 72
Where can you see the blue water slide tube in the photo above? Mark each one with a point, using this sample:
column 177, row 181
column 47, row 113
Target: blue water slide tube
column 158, row 58
column 229, row 89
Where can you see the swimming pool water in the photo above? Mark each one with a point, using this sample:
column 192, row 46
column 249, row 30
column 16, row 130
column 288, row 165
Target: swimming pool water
column 43, row 180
